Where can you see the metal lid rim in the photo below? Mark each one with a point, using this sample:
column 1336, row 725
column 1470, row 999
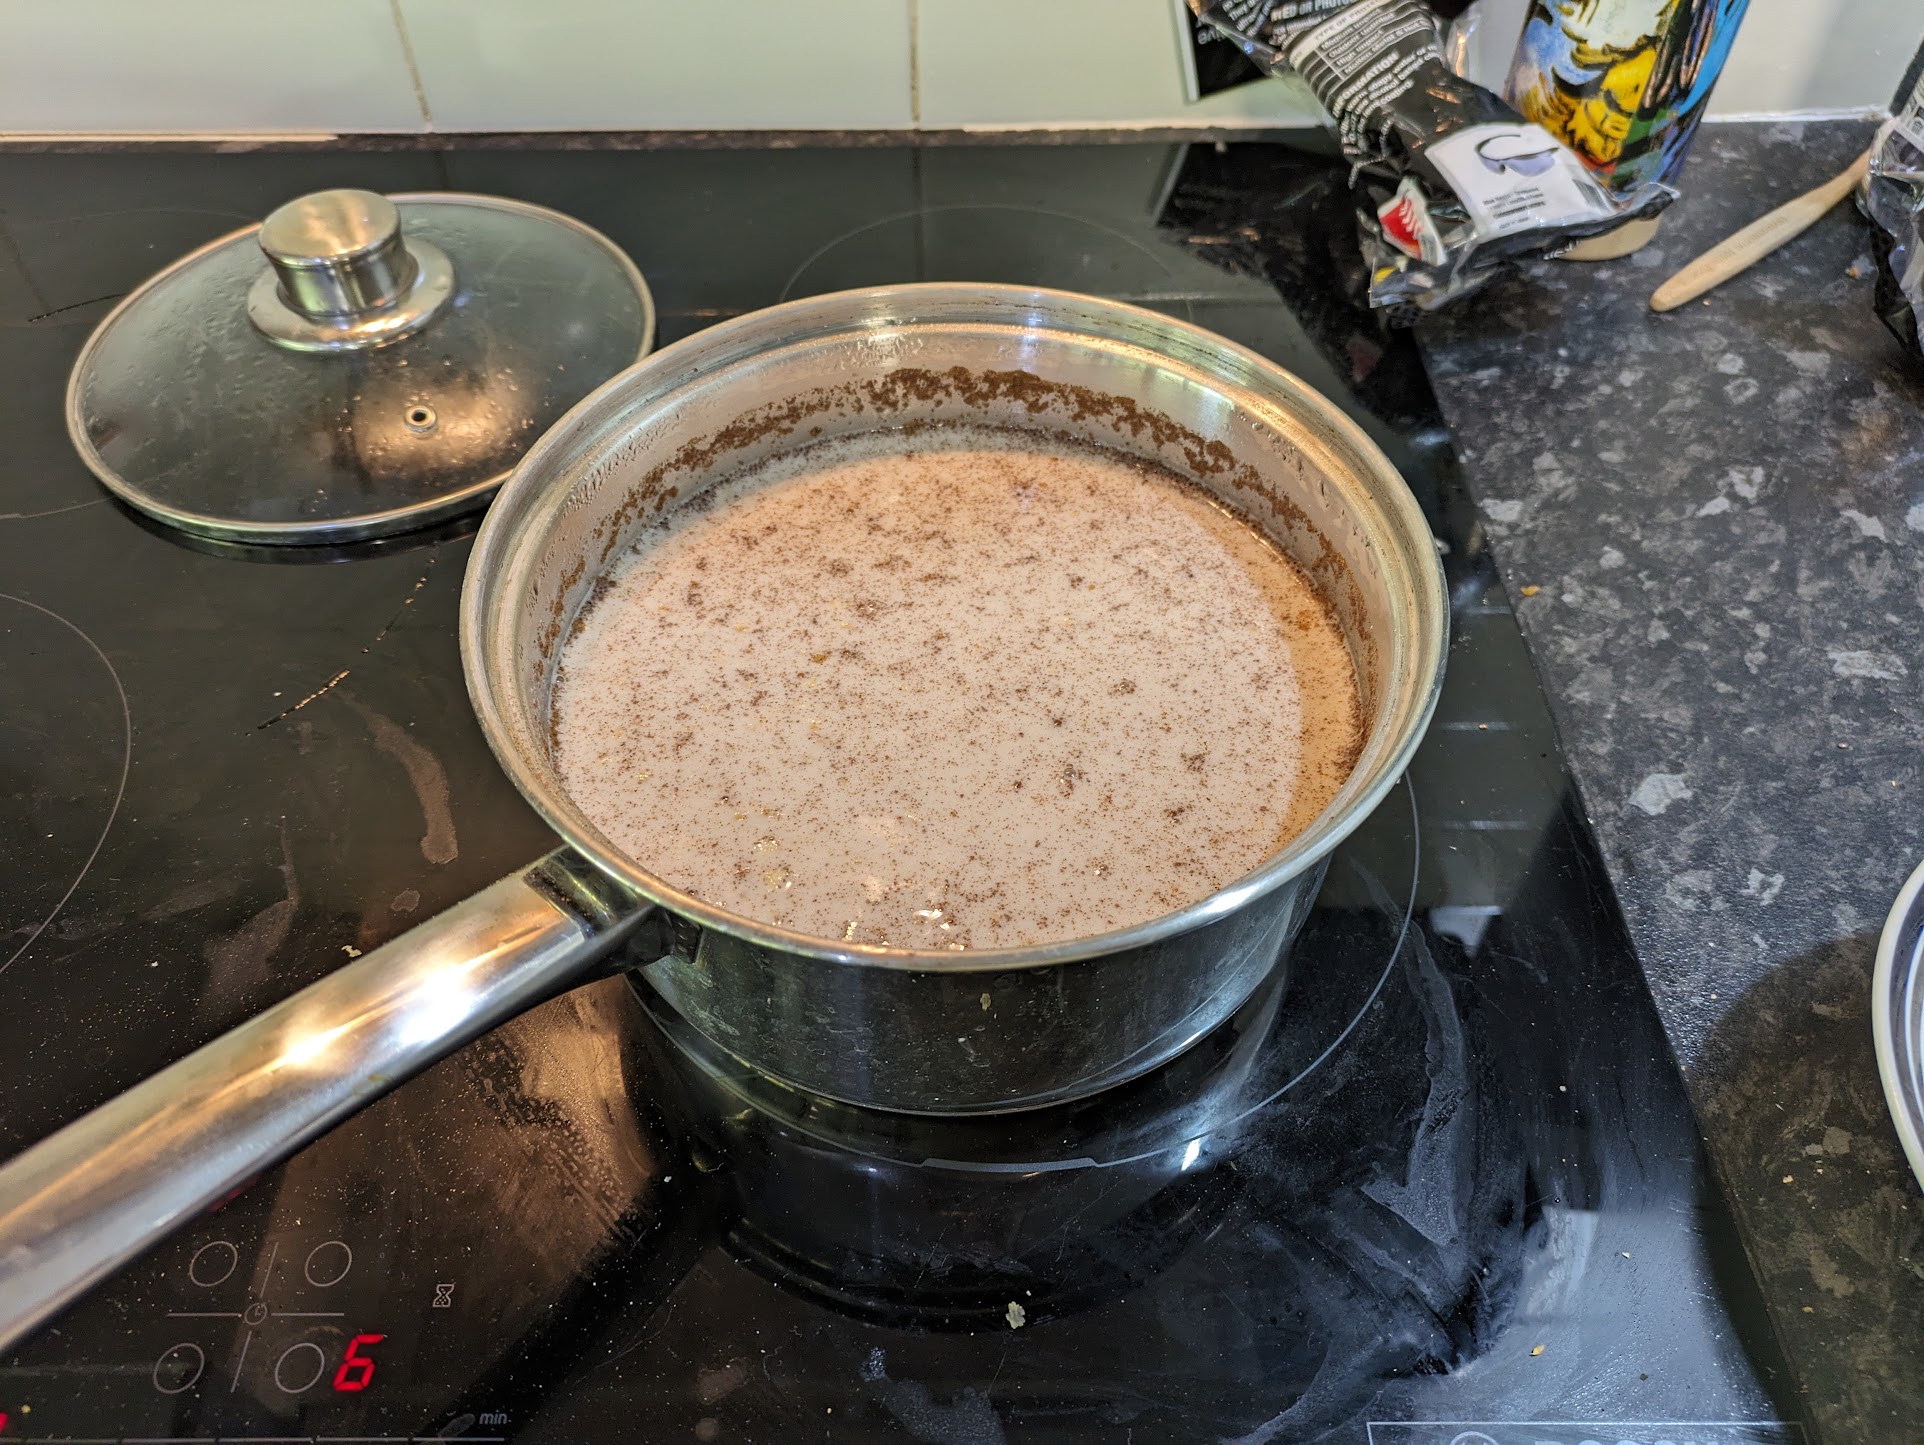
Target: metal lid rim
column 364, row 526
column 501, row 535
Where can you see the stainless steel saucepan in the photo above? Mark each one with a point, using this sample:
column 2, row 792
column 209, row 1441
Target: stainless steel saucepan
column 885, row 1027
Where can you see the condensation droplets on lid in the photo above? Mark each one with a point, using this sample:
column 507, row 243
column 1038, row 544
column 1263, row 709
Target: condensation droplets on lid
column 357, row 365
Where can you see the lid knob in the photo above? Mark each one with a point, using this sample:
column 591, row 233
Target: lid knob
column 338, row 253
column 341, row 275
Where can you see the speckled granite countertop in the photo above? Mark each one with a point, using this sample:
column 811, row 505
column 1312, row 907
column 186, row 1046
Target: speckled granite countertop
column 1713, row 525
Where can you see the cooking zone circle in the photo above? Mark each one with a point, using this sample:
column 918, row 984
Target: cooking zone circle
column 884, row 1028
column 1026, row 245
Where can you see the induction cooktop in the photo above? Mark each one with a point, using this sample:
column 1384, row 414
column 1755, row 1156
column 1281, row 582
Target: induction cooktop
column 1437, row 1183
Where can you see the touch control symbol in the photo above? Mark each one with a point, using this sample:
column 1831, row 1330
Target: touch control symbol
column 328, row 1263
column 444, row 1296
column 212, row 1263
column 217, row 1262
column 179, row 1367
column 299, row 1367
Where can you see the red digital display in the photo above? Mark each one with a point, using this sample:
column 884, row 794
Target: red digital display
column 357, row 1370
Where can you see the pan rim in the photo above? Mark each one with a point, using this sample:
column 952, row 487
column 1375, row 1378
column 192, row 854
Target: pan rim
column 486, row 648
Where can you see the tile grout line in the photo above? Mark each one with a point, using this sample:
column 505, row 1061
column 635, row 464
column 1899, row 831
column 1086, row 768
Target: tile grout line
column 1185, row 53
column 414, row 70
column 915, row 64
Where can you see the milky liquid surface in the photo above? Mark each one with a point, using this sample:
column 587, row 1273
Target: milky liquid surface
column 968, row 689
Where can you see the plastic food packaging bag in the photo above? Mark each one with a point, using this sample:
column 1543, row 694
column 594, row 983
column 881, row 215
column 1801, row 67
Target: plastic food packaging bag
column 1895, row 200
column 1455, row 183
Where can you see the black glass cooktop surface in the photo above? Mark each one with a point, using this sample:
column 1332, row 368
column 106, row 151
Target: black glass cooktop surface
column 1436, row 1182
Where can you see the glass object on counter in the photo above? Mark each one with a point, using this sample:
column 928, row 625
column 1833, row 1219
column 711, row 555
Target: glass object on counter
column 1623, row 83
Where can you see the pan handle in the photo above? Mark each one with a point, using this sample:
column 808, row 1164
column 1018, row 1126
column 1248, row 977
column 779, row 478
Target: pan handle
column 79, row 1204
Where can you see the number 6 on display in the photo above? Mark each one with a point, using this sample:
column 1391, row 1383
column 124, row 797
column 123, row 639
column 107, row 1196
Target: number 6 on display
column 357, row 1370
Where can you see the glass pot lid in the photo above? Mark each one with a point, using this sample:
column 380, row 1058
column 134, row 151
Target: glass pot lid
column 354, row 366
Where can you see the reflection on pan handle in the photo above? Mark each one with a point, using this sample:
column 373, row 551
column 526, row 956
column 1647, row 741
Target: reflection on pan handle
column 78, row 1205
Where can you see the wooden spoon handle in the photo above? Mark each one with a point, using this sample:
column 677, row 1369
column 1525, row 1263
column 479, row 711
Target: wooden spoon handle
column 1744, row 249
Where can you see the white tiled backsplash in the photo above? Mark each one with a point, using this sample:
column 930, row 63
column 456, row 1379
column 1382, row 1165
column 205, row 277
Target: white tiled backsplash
column 275, row 66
